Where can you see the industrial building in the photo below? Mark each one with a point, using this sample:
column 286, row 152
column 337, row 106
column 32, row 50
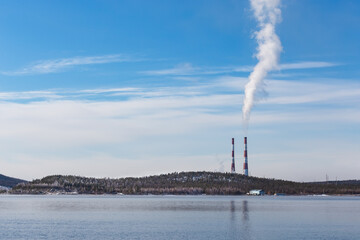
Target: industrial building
column 257, row 192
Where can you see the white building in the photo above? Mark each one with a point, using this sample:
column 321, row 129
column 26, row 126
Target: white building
column 256, row 192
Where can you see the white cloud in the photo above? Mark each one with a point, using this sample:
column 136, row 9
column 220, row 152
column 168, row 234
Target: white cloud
column 306, row 65
column 335, row 91
column 55, row 65
column 102, row 164
column 164, row 129
column 296, row 92
column 187, row 69
column 29, row 95
column 110, row 138
column 184, row 69
column 281, row 92
column 334, row 116
column 181, row 69
column 110, row 90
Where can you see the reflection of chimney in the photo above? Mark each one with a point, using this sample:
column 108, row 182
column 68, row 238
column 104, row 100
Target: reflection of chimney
column 246, row 169
column 232, row 206
column 245, row 210
column 233, row 158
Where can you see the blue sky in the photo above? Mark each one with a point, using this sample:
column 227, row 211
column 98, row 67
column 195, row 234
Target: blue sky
column 134, row 88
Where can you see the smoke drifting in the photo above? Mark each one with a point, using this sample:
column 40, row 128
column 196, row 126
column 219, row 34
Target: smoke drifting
column 267, row 13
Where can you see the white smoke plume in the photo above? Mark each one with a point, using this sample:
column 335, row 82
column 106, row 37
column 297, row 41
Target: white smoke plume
column 267, row 13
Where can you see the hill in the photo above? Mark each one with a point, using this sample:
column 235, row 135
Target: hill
column 213, row 183
column 9, row 181
column 342, row 182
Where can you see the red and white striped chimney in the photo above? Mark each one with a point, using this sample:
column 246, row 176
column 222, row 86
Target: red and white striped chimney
column 246, row 169
column 233, row 158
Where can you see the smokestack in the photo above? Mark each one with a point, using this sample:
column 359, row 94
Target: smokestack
column 246, row 169
column 233, row 158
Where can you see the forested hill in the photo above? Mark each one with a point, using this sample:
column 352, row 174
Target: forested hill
column 9, row 181
column 343, row 182
column 178, row 183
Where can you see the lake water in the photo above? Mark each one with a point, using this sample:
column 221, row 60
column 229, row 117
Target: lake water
column 179, row 217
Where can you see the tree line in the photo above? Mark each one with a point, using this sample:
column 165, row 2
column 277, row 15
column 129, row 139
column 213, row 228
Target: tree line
column 182, row 183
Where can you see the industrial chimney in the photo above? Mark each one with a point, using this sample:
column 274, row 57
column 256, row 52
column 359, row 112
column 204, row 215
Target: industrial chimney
column 246, row 169
column 233, row 158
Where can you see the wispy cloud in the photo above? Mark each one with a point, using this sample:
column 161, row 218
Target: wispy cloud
column 282, row 92
column 334, row 91
column 29, row 95
column 183, row 69
column 188, row 69
column 306, row 65
column 109, row 90
column 55, row 65
column 180, row 69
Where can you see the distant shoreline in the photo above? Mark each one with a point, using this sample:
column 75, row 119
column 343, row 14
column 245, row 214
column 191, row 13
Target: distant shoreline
column 177, row 195
column 183, row 183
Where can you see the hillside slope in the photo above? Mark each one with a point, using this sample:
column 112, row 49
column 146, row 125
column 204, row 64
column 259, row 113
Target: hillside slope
column 9, row 181
column 179, row 183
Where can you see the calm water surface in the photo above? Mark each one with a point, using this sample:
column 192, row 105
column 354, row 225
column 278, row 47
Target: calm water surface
column 179, row 217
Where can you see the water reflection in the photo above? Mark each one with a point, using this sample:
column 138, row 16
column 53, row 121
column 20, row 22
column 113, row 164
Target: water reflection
column 245, row 210
column 233, row 231
column 240, row 228
column 246, row 221
column 232, row 210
